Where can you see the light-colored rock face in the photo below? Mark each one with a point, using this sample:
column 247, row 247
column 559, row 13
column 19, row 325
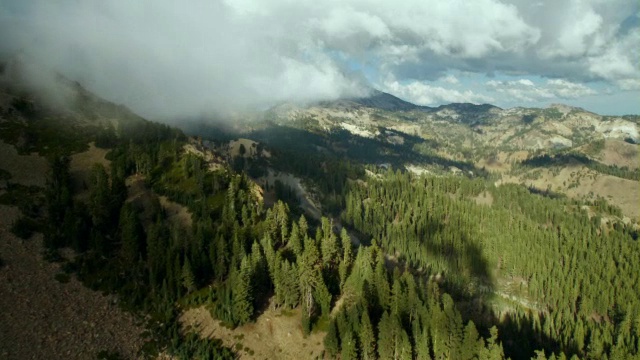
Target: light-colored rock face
column 563, row 109
column 447, row 113
column 356, row 130
column 557, row 127
column 619, row 129
column 559, row 142
column 418, row 170
column 395, row 139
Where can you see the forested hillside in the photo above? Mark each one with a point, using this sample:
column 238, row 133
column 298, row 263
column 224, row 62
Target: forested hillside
column 400, row 266
column 574, row 283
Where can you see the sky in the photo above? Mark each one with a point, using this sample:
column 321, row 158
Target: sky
column 177, row 59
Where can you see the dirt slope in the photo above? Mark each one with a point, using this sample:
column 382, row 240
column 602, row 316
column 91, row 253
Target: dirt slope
column 42, row 318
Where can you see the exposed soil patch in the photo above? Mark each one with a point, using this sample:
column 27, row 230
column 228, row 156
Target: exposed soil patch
column 213, row 161
column 580, row 182
column 307, row 202
column 620, row 153
column 502, row 161
column 484, row 198
column 44, row 318
column 250, row 149
column 276, row 334
column 176, row 213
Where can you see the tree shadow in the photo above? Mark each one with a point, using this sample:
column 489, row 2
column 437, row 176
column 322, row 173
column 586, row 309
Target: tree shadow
column 470, row 280
column 521, row 334
column 464, row 258
column 298, row 150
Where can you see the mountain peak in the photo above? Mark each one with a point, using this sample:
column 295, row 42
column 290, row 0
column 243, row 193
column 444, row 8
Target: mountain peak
column 385, row 101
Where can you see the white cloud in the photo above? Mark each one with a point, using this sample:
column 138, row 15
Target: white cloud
column 461, row 28
column 574, row 38
column 568, row 90
column 619, row 62
column 525, row 82
column 421, row 93
column 167, row 59
column 449, row 79
column 525, row 90
column 297, row 77
column 345, row 22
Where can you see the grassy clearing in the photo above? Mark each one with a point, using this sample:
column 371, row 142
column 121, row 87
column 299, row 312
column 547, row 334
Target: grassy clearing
column 81, row 165
column 276, row 334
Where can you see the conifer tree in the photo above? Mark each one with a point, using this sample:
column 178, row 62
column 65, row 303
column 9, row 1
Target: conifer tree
column 295, row 239
column 388, row 336
column 381, row 282
column 405, row 350
column 329, row 243
column 331, row 340
column 422, row 340
column 398, row 298
column 188, row 280
column 99, row 197
column 345, row 264
column 306, row 318
column 242, row 294
column 472, row 344
column 308, row 281
column 493, row 350
column 349, row 347
column 292, row 290
column 129, row 235
column 367, row 337
column 304, row 227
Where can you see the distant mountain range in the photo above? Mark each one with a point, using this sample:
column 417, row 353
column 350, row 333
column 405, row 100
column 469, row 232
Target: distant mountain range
column 602, row 148
column 575, row 144
column 385, row 101
column 488, row 122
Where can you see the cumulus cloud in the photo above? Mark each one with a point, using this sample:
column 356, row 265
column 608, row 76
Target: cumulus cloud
column 526, row 90
column 167, row 59
column 579, row 40
column 619, row 62
column 424, row 94
column 450, row 79
column 579, row 36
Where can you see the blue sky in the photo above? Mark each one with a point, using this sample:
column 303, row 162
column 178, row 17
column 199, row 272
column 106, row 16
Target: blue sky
column 168, row 59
